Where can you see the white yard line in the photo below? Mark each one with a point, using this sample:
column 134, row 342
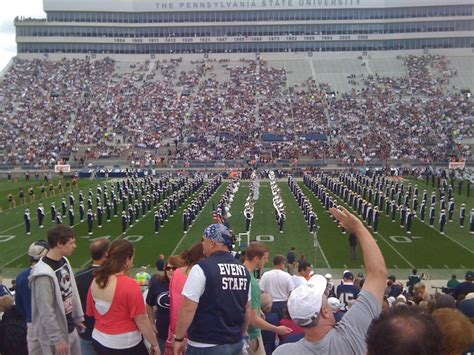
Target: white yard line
column 395, row 250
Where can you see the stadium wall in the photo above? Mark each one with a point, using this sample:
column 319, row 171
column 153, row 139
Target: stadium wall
column 458, row 52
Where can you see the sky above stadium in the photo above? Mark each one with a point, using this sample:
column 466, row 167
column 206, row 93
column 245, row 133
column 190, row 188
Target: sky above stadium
column 11, row 9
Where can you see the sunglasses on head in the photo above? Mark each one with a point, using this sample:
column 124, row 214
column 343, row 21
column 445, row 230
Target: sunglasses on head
column 169, row 268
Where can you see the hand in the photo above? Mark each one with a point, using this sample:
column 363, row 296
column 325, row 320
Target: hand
column 282, row 330
column 81, row 328
column 179, row 348
column 61, row 348
column 346, row 219
column 155, row 350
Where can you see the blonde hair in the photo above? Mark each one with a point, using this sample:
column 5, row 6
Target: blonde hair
column 6, row 302
column 266, row 302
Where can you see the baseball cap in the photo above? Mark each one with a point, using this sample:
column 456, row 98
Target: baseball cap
column 218, row 233
column 469, row 275
column 348, row 275
column 304, row 304
column 467, row 307
column 328, row 276
column 38, row 249
column 334, row 303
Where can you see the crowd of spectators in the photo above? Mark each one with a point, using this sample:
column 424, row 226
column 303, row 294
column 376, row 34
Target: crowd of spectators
column 51, row 109
column 303, row 313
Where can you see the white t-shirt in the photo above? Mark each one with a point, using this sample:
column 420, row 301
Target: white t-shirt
column 298, row 280
column 278, row 284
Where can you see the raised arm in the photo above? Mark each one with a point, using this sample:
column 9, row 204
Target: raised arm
column 374, row 262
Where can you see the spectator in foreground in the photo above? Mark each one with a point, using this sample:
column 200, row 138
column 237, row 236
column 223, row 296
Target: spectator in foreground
column 256, row 256
column 116, row 302
column 56, row 308
column 158, row 300
column 464, row 287
column 190, row 257
column 98, row 252
column 12, row 328
column 457, row 331
column 309, row 308
column 23, row 292
column 278, row 284
column 216, row 308
column 404, row 331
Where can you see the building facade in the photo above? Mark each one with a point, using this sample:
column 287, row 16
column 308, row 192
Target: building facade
column 245, row 26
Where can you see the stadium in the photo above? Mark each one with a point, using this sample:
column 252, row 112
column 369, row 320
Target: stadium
column 163, row 117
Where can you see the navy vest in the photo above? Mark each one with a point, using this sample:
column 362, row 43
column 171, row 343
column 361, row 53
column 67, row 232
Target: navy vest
column 220, row 313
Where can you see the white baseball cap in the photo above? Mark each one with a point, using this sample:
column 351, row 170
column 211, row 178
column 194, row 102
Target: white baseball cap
column 334, row 303
column 305, row 302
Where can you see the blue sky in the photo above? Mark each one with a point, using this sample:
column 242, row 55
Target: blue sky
column 10, row 9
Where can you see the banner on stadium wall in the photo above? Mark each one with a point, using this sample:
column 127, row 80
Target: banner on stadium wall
column 65, row 168
column 457, row 164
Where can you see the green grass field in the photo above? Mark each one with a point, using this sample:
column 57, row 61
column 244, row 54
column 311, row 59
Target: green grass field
column 427, row 250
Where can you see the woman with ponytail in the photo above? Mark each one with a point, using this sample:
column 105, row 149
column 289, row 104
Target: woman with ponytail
column 116, row 302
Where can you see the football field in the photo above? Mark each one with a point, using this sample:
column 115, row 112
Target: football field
column 328, row 249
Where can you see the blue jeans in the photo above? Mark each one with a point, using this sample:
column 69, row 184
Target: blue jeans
column 86, row 347
column 225, row 349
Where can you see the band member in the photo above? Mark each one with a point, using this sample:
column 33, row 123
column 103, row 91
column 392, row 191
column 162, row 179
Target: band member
column 376, row 219
column 115, row 206
column 185, row 220
column 312, row 222
column 442, row 221
column 90, row 221
column 462, row 215
column 41, row 214
column 27, row 219
column 81, row 211
column 450, row 209
column 63, row 207
column 124, row 221
column 409, row 221
column 471, row 220
column 108, row 211
column 99, row 216
column 432, row 216
column 423, row 210
column 394, row 211
column 72, row 200
column 281, row 221
column 248, row 219
column 71, row 216
column 130, row 215
column 157, row 222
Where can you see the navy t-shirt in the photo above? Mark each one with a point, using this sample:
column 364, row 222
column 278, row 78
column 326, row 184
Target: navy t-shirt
column 290, row 257
column 63, row 274
column 159, row 296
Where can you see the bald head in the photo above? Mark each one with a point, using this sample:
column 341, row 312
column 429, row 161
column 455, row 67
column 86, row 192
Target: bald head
column 98, row 250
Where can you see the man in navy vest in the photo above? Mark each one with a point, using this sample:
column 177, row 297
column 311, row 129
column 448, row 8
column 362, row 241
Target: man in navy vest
column 216, row 310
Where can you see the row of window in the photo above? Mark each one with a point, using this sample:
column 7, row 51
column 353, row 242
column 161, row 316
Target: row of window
column 260, row 15
column 256, row 30
column 310, row 46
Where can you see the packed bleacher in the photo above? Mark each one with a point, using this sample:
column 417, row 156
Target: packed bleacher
column 222, row 110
